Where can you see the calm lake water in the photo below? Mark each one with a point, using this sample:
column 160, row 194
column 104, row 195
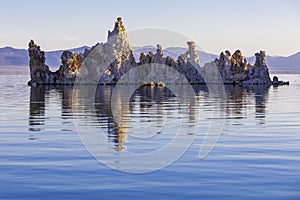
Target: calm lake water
column 42, row 157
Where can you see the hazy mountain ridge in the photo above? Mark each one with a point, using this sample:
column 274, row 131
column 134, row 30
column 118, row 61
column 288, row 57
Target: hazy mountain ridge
column 174, row 52
column 19, row 57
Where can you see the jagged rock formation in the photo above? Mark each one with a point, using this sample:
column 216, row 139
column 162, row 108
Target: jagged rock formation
column 120, row 53
column 235, row 69
column 259, row 73
column 69, row 68
column 40, row 73
column 117, row 57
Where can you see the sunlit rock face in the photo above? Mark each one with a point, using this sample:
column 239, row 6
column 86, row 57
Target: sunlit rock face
column 106, row 63
column 119, row 53
column 117, row 58
column 69, row 68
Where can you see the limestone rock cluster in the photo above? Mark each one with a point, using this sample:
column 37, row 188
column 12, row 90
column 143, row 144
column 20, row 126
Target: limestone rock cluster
column 235, row 69
column 116, row 54
column 40, row 73
column 117, row 57
column 187, row 64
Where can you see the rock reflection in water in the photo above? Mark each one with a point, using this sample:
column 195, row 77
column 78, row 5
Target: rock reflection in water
column 39, row 95
column 261, row 98
column 143, row 100
column 115, row 133
column 37, row 108
column 239, row 101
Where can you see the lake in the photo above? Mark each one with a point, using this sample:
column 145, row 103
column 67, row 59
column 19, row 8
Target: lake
column 49, row 134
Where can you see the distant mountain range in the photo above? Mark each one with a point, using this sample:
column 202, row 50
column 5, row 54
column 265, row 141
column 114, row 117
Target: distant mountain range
column 19, row 57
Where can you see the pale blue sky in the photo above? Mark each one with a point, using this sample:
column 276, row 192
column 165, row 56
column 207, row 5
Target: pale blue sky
column 271, row 25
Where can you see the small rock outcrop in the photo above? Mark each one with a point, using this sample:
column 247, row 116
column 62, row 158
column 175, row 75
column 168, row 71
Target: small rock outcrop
column 277, row 82
column 117, row 56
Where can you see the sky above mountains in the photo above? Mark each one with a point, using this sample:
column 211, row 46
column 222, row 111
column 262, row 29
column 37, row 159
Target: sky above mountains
column 271, row 25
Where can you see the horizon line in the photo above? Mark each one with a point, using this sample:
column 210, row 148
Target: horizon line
column 70, row 48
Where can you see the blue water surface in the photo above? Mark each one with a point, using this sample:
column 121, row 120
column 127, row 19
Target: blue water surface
column 42, row 157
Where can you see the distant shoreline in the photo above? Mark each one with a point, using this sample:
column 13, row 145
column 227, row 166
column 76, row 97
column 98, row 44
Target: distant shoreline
column 24, row 70
column 18, row 70
column 284, row 71
column 14, row 70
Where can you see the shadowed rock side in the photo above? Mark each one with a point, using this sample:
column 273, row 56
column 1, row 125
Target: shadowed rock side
column 117, row 57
